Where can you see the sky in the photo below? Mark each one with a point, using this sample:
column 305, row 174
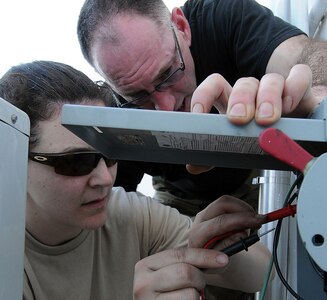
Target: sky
column 46, row 30
column 43, row 30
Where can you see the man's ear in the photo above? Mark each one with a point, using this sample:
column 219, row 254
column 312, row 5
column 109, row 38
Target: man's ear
column 181, row 23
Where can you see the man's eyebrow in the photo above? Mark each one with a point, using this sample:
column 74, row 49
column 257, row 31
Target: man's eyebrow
column 164, row 70
column 161, row 73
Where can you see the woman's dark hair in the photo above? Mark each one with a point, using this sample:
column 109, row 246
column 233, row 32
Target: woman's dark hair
column 39, row 87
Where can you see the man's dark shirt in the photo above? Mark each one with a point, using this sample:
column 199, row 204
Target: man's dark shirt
column 236, row 39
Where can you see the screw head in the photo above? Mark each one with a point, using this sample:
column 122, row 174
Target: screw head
column 14, row 118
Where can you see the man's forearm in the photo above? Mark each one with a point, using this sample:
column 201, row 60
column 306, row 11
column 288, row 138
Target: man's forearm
column 302, row 50
column 314, row 55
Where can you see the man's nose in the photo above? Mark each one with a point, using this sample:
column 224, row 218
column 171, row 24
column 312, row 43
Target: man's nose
column 164, row 100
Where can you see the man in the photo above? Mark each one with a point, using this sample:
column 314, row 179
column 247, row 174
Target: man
column 165, row 61
column 188, row 60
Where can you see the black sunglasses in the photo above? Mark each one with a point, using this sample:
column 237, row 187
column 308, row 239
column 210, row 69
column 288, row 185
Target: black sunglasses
column 71, row 163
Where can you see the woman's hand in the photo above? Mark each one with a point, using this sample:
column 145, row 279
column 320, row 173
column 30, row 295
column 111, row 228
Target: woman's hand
column 175, row 273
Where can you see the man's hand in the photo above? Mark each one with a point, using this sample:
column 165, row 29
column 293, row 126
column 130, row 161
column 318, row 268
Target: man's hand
column 175, row 273
column 265, row 100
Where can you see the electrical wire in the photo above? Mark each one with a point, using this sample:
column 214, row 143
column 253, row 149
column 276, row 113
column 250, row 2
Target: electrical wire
column 288, row 200
column 245, row 243
column 265, row 284
column 316, row 268
column 30, row 284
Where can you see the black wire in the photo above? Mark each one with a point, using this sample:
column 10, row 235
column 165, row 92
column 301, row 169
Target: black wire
column 30, row 284
column 275, row 259
column 288, row 200
column 316, row 268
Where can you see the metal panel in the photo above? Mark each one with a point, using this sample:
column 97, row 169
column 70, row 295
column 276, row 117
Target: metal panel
column 14, row 131
column 139, row 135
column 177, row 137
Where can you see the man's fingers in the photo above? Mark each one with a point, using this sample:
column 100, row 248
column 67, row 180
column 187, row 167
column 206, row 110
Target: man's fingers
column 272, row 97
column 193, row 169
column 213, row 91
column 241, row 104
column 269, row 99
column 298, row 100
column 291, row 97
column 265, row 100
column 251, row 98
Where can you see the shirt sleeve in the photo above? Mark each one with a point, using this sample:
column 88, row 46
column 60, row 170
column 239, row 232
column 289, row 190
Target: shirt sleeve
column 159, row 227
column 234, row 37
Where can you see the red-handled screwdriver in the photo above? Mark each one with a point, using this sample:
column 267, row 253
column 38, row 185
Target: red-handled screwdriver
column 279, row 145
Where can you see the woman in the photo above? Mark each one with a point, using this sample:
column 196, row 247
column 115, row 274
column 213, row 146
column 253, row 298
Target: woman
column 84, row 237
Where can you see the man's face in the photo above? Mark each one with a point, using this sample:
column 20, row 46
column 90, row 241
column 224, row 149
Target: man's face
column 146, row 65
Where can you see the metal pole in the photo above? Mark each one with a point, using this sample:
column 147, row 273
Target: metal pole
column 274, row 186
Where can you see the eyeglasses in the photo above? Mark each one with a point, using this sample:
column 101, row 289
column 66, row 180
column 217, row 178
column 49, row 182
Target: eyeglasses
column 143, row 97
column 71, row 163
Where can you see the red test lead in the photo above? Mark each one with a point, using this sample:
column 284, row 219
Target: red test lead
column 290, row 210
column 287, row 211
column 243, row 244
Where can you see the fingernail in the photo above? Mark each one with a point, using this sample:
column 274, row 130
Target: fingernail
column 265, row 110
column 238, row 110
column 198, row 108
column 260, row 216
column 222, row 259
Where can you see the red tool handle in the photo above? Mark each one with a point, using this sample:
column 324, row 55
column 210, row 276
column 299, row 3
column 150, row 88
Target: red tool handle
column 279, row 145
column 290, row 210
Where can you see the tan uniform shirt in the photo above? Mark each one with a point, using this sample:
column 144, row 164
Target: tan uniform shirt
column 99, row 264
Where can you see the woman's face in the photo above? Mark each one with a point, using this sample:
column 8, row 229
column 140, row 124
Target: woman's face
column 58, row 206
